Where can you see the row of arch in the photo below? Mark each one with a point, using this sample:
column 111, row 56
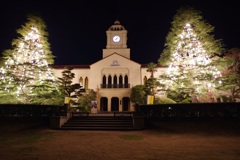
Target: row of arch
column 111, row 82
column 115, row 81
column 116, row 103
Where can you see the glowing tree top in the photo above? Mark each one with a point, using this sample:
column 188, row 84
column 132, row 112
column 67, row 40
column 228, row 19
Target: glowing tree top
column 188, row 23
column 190, row 64
column 189, row 51
column 26, row 72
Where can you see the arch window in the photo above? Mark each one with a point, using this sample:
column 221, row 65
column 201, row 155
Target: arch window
column 109, row 81
column 115, row 81
column 104, row 82
column 145, row 79
column 120, row 81
column 126, row 81
column 86, row 83
column 81, row 81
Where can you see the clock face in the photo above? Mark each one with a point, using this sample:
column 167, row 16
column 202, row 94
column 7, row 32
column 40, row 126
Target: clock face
column 116, row 39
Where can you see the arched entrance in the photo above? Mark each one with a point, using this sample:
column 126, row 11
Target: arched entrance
column 103, row 104
column 125, row 103
column 114, row 104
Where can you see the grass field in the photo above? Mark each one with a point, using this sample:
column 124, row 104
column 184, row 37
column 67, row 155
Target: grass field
column 188, row 140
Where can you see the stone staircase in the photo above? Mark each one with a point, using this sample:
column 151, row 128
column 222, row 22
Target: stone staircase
column 99, row 122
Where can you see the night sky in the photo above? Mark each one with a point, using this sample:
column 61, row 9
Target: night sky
column 77, row 30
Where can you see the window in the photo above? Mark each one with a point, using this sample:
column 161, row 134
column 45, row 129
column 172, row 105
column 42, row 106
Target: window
column 86, row 83
column 120, row 81
column 125, row 81
column 81, row 81
column 104, row 82
column 109, row 81
column 144, row 79
column 115, row 81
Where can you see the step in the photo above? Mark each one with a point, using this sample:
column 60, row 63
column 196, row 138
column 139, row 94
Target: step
column 96, row 125
column 99, row 123
column 94, row 120
column 96, row 128
column 113, row 123
column 98, row 117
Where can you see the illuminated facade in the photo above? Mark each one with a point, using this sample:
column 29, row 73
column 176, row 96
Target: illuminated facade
column 114, row 75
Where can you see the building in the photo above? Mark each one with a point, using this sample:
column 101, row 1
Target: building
column 114, row 75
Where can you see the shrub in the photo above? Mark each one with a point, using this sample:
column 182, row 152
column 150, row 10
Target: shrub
column 187, row 100
column 164, row 100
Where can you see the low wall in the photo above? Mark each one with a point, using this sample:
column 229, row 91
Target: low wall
column 57, row 121
column 191, row 111
column 138, row 121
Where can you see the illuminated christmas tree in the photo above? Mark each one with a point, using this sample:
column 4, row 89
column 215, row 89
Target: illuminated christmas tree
column 188, row 53
column 26, row 74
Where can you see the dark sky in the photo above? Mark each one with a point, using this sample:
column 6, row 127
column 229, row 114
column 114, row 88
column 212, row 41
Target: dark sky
column 77, row 29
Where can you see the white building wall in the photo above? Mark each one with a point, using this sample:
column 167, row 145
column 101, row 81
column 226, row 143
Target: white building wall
column 79, row 72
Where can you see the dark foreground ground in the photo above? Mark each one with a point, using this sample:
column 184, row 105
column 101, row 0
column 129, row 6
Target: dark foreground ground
column 180, row 140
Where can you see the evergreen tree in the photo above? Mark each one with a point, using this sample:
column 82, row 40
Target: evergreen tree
column 86, row 99
column 188, row 50
column 69, row 89
column 230, row 70
column 26, row 73
column 139, row 94
column 151, row 67
column 152, row 82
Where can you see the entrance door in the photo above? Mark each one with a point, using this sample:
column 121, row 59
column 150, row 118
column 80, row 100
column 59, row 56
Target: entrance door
column 126, row 103
column 114, row 104
column 103, row 104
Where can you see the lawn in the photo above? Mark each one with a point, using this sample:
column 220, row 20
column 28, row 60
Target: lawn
column 188, row 140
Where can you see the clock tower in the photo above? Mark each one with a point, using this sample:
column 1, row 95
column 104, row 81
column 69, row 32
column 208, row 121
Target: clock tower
column 116, row 41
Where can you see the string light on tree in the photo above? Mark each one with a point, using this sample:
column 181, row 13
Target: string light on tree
column 26, row 72
column 190, row 66
column 188, row 53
